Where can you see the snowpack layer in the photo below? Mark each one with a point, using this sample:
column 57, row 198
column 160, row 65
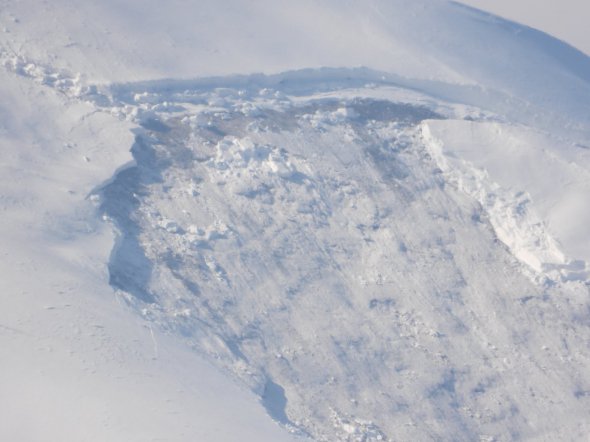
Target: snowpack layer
column 445, row 44
column 396, row 251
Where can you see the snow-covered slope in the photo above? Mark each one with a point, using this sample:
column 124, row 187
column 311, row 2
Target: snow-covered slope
column 533, row 185
column 507, row 65
column 75, row 365
column 394, row 251
column 311, row 243
column 565, row 20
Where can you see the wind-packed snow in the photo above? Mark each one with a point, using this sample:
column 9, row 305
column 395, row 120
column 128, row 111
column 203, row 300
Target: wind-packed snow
column 272, row 220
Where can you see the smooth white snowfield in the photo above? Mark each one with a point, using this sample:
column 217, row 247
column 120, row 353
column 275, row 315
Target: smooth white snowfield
column 372, row 215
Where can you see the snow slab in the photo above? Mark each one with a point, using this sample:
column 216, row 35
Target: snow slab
column 534, row 186
column 565, row 20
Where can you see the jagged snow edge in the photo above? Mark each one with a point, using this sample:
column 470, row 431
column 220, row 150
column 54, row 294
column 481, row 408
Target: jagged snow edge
column 515, row 222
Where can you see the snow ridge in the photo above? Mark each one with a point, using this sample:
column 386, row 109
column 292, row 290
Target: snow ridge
column 300, row 231
column 515, row 223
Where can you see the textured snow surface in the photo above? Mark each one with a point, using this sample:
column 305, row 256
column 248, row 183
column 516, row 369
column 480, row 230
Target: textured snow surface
column 390, row 252
column 565, row 20
column 75, row 364
column 533, row 186
column 312, row 244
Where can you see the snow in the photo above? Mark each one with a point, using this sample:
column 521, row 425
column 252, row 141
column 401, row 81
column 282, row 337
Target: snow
column 76, row 364
column 274, row 220
column 565, row 20
column 533, row 186
column 315, row 199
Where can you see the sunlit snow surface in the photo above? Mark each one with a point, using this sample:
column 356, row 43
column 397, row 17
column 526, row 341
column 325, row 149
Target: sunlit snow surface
column 391, row 254
column 310, row 240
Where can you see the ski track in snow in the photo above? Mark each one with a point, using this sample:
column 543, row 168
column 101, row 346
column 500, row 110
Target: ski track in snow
column 306, row 233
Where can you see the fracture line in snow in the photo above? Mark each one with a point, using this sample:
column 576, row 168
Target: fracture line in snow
column 515, row 224
column 514, row 221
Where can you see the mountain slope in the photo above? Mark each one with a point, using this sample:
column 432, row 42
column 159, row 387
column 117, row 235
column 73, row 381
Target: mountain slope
column 310, row 243
column 76, row 365
column 394, row 251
